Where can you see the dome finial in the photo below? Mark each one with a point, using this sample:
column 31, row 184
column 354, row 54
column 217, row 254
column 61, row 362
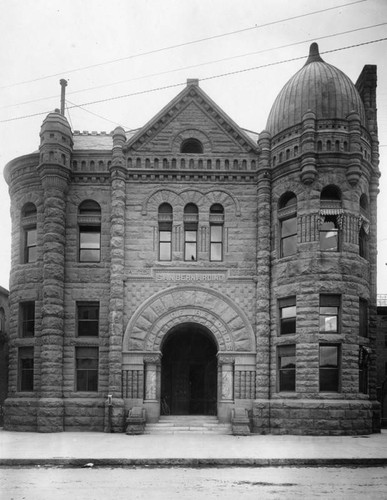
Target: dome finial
column 314, row 55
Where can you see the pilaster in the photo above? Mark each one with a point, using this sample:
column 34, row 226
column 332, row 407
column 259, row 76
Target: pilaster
column 117, row 262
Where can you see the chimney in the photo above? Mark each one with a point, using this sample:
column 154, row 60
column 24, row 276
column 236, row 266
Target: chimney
column 63, row 84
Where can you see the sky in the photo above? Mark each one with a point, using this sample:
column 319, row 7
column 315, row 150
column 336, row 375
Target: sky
column 145, row 50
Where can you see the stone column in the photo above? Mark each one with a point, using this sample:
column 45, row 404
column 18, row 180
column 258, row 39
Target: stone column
column 261, row 404
column 226, row 364
column 54, row 172
column 152, row 365
column 117, row 267
column 50, row 412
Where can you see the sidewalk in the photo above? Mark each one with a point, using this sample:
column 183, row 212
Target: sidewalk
column 76, row 449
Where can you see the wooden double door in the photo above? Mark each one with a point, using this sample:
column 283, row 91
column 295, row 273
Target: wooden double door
column 189, row 372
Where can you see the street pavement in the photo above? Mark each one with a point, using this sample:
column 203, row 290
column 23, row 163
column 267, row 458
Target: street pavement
column 83, row 449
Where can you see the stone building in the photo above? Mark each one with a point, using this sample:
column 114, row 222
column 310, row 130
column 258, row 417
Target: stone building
column 381, row 356
column 195, row 267
column 4, row 310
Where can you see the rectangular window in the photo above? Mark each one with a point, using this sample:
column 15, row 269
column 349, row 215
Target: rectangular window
column 30, row 240
column 329, row 313
column 190, row 245
column 88, row 319
column 288, row 236
column 329, row 234
column 27, row 319
column 165, row 245
column 26, row 369
column 89, row 244
column 363, row 318
column 329, row 368
column 216, row 243
column 286, row 368
column 87, row 369
column 287, row 309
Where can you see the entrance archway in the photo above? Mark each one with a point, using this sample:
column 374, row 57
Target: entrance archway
column 189, row 371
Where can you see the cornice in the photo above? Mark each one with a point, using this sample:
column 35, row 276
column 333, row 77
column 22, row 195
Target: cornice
column 196, row 176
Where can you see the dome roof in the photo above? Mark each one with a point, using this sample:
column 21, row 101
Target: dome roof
column 318, row 87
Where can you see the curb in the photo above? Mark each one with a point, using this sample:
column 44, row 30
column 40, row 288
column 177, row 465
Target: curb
column 191, row 462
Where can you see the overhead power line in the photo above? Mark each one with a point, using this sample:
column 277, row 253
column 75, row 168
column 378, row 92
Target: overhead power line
column 213, row 77
column 198, row 65
column 191, row 42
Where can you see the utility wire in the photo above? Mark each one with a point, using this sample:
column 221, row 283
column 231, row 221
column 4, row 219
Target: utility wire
column 191, row 42
column 213, row 77
column 92, row 113
column 197, row 65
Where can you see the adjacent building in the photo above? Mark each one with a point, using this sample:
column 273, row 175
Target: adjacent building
column 195, row 267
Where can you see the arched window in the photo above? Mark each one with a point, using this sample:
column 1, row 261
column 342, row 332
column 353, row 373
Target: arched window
column 330, row 193
column 319, row 146
column 191, row 146
column 364, row 227
column 89, row 223
column 165, row 231
column 29, row 233
column 337, row 145
column 364, row 203
column 331, row 215
column 216, row 232
column 329, row 145
column 191, row 220
column 287, row 215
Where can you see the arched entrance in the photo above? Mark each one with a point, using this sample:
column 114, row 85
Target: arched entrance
column 189, row 371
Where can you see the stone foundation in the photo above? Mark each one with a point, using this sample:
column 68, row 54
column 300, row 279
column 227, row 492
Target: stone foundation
column 20, row 414
column 315, row 417
column 84, row 414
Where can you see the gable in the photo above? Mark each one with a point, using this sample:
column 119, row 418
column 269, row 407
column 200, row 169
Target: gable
column 192, row 114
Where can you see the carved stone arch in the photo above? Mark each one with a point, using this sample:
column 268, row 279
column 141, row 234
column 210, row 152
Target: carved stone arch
column 30, row 197
column 158, row 197
column 191, row 133
column 225, row 198
column 189, row 304
column 188, row 195
column 192, row 196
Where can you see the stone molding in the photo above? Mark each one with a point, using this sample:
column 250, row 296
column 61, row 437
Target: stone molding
column 189, row 304
column 190, row 196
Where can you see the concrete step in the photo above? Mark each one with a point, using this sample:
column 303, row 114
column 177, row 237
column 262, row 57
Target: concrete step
column 175, row 424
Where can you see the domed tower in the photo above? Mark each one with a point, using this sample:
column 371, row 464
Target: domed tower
column 321, row 148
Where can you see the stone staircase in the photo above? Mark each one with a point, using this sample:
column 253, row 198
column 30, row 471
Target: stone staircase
column 182, row 424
